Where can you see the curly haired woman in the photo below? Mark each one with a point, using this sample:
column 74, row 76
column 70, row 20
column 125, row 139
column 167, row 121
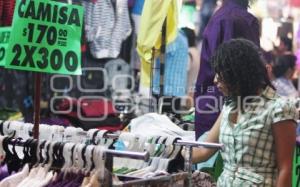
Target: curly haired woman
column 256, row 126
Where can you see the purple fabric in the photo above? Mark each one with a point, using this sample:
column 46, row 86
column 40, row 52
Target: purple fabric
column 230, row 21
column 76, row 182
column 130, row 3
column 70, row 180
column 3, row 172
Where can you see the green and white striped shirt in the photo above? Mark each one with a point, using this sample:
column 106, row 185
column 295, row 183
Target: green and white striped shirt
column 249, row 154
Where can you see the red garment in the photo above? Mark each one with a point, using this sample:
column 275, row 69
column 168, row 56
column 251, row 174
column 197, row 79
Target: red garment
column 1, row 10
column 7, row 12
column 295, row 3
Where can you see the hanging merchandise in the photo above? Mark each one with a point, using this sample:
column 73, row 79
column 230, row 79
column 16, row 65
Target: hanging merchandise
column 118, row 74
column 153, row 124
column 136, row 13
column 175, row 71
column 6, row 12
column 4, row 38
column 46, row 37
column 90, row 113
column 149, row 35
column 47, row 163
column 107, row 25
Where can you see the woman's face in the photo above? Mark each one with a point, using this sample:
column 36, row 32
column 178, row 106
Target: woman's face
column 221, row 85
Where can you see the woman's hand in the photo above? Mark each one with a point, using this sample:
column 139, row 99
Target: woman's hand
column 202, row 154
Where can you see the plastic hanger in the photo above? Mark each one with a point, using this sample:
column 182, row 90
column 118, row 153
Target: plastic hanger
column 46, row 152
column 91, row 136
column 1, row 128
column 33, row 150
column 167, row 151
column 137, row 164
column 55, row 155
column 78, row 157
column 99, row 161
column 176, row 150
column 7, row 131
column 100, row 139
column 12, row 160
column 67, row 154
column 2, row 151
column 26, row 151
column 88, row 155
column 154, row 161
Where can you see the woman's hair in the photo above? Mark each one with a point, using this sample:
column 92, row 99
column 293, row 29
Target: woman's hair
column 241, row 67
column 283, row 63
column 191, row 36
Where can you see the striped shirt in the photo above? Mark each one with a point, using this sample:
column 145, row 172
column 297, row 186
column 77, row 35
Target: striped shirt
column 106, row 27
column 249, row 154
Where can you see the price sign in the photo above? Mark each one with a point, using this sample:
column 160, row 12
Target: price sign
column 296, row 167
column 4, row 38
column 46, row 37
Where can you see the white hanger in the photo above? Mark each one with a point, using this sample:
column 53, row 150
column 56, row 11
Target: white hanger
column 99, row 161
column 67, row 154
column 27, row 130
column 88, row 157
column 141, row 148
column 57, row 133
column 6, row 129
column 90, row 134
column 128, row 140
column 167, row 151
column 44, row 132
column 99, row 139
column 79, row 162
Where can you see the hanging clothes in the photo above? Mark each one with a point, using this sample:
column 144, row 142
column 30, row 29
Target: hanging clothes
column 149, row 35
column 118, row 72
column 136, row 13
column 107, row 26
column 6, row 12
column 175, row 74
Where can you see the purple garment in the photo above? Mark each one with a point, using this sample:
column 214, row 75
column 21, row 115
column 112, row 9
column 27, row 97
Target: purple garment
column 230, row 21
column 76, row 182
column 3, row 172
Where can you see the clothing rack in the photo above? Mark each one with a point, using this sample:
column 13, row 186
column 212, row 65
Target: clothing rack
column 189, row 145
column 108, row 135
column 109, row 155
column 82, row 133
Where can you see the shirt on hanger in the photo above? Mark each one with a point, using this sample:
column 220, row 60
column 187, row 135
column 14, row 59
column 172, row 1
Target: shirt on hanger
column 149, row 35
column 106, row 27
column 175, row 74
column 14, row 180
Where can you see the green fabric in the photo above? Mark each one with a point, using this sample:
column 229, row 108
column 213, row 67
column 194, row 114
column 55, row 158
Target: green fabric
column 6, row 114
column 216, row 170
